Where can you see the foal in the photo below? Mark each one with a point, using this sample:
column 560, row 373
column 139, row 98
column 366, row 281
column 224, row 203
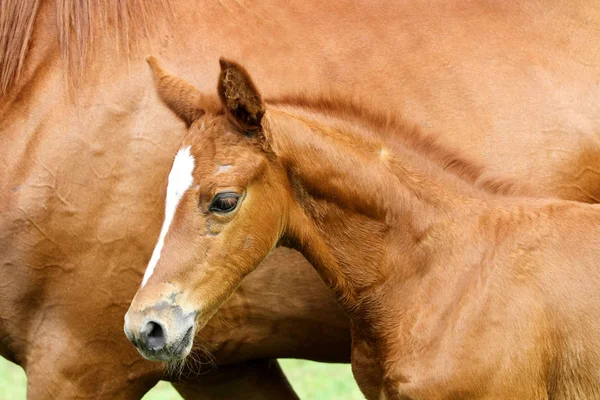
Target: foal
column 452, row 292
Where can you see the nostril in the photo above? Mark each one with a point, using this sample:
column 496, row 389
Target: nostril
column 156, row 331
column 154, row 335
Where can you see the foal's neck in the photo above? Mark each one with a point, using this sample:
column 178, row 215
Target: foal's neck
column 362, row 196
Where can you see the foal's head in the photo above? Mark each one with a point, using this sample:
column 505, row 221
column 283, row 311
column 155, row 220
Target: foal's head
column 226, row 207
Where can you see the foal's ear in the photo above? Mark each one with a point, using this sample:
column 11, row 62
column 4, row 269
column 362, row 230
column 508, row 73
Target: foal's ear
column 180, row 96
column 240, row 97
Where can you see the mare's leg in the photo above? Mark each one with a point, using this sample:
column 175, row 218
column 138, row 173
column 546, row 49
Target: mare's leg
column 253, row 380
column 44, row 383
column 65, row 376
column 63, row 371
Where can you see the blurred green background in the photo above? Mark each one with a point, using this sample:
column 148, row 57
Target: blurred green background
column 310, row 380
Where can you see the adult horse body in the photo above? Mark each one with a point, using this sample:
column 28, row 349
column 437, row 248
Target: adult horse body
column 82, row 183
column 452, row 292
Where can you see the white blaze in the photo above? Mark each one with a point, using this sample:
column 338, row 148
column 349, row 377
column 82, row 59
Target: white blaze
column 180, row 180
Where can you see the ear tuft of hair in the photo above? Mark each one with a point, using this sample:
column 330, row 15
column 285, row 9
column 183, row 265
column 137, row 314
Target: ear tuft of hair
column 239, row 96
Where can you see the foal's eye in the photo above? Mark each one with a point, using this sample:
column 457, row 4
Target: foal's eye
column 224, row 202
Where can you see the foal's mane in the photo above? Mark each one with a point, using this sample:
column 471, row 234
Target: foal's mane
column 393, row 126
column 80, row 25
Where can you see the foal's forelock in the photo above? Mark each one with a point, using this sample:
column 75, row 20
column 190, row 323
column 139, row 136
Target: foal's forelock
column 180, row 180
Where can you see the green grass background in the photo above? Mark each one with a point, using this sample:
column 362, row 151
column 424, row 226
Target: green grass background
column 310, row 380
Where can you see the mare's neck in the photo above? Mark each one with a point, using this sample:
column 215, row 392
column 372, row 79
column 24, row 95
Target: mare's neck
column 365, row 205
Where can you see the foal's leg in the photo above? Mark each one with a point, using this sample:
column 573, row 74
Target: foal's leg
column 261, row 379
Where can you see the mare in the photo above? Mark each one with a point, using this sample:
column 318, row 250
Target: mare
column 452, row 291
column 87, row 145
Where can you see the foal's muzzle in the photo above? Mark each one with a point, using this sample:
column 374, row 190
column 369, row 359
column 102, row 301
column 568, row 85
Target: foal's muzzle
column 162, row 332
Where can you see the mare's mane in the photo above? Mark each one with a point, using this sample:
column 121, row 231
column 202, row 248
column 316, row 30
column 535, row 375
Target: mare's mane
column 80, row 25
column 390, row 125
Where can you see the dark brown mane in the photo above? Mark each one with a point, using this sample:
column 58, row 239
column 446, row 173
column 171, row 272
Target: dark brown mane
column 390, row 124
column 81, row 24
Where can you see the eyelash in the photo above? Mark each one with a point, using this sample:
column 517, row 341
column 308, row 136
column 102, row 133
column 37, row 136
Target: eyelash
column 220, row 205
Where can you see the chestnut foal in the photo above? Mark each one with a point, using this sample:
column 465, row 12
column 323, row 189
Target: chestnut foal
column 452, row 292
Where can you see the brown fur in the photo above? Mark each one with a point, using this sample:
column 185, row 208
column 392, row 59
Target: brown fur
column 83, row 183
column 388, row 125
column 452, row 291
